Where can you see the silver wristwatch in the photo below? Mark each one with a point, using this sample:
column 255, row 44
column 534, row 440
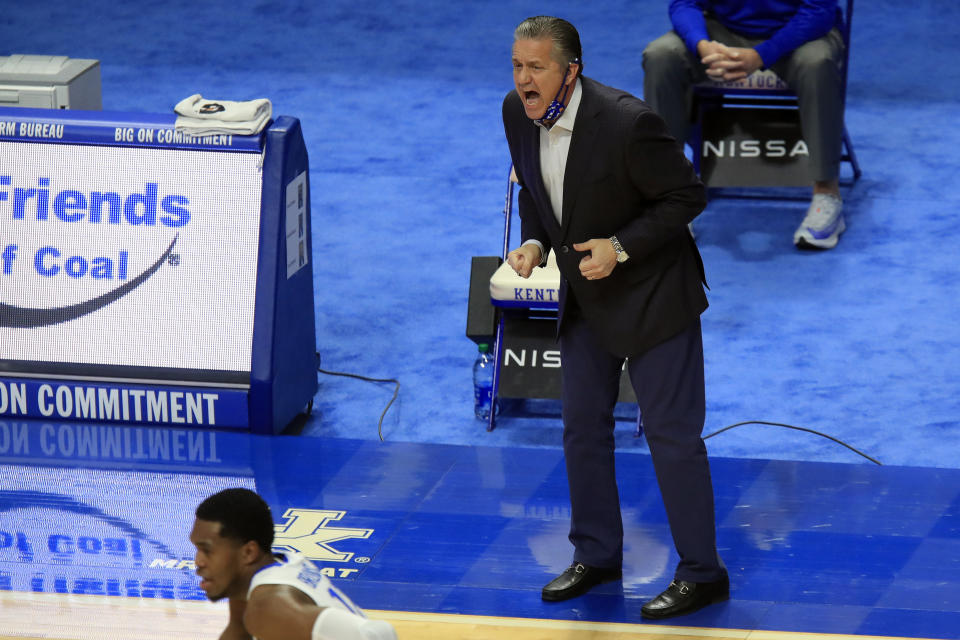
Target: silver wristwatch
column 622, row 255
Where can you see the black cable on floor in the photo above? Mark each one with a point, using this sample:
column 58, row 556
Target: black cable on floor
column 396, row 391
column 790, row 426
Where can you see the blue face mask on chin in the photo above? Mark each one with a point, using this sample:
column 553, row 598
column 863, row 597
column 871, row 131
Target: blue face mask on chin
column 556, row 107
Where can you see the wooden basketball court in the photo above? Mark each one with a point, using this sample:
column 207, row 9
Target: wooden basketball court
column 43, row 616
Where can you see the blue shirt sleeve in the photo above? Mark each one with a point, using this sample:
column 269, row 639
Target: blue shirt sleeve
column 813, row 20
column 687, row 19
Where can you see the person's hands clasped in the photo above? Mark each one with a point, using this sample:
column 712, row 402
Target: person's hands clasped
column 601, row 261
column 728, row 63
column 524, row 258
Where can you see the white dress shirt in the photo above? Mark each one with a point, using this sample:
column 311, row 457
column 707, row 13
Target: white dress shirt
column 554, row 148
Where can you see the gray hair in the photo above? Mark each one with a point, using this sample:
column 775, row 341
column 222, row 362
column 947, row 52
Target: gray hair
column 566, row 40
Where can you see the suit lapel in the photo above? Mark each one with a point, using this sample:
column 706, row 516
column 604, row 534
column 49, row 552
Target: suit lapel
column 585, row 130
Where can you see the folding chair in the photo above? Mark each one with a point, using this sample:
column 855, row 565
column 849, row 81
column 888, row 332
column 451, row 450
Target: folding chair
column 518, row 318
column 756, row 148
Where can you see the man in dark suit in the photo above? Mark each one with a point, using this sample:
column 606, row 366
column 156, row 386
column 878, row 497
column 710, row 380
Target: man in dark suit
column 606, row 187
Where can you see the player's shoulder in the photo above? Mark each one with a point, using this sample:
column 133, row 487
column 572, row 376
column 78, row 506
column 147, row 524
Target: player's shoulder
column 285, row 566
column 290, row 571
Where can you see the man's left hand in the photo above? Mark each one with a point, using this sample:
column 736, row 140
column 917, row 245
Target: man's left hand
column 601, row 261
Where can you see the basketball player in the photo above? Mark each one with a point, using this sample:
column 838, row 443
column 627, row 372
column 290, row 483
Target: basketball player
column 272, row 596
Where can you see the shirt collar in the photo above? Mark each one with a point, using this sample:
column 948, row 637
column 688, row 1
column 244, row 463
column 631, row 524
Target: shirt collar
column 569, row 115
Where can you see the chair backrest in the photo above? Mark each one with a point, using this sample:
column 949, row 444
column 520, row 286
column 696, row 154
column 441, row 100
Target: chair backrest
column 847, row 22
column 845, row 30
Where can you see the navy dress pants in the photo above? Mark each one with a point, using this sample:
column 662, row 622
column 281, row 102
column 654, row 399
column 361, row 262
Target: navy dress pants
column 668, row 382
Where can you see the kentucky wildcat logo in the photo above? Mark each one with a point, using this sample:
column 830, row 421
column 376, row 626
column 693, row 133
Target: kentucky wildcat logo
column 307, row 531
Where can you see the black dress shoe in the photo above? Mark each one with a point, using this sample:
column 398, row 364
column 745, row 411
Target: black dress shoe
column 683, row 597
column 576, row 580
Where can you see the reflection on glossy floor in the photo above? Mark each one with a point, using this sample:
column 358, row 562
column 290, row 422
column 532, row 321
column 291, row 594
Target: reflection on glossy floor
column 456, row 542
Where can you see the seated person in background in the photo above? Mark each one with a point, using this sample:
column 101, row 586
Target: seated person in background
column 729, row 39
column 272, row 596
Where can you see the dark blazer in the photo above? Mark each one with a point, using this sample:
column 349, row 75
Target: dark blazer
column 625, row 176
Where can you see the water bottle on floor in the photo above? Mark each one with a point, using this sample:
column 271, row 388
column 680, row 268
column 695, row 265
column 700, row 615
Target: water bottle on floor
column 483, row 382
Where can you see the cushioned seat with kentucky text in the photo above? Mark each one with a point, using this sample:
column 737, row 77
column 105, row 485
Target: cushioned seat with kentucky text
column 762, row 79
column 539, row 291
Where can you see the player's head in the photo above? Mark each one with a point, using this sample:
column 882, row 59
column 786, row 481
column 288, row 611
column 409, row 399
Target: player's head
column 233, row 532
column 242, row 514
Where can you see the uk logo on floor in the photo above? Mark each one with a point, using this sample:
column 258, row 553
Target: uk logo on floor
column 308, row 531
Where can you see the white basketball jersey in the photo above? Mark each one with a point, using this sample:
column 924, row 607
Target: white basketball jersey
column 295, row 570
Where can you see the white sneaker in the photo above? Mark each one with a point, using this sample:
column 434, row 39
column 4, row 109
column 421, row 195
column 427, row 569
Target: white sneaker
column 823, row 224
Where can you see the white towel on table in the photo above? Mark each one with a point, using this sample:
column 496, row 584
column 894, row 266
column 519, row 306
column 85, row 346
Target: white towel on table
column 199, row 116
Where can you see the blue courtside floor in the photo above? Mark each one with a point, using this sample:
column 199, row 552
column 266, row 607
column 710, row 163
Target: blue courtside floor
column 824, row 548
